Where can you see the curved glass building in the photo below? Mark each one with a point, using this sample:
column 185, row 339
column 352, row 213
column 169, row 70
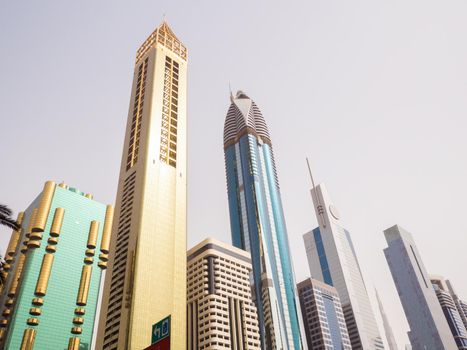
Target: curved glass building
column 257, row 222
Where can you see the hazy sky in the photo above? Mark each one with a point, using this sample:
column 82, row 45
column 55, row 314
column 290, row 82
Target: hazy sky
column 374, row 92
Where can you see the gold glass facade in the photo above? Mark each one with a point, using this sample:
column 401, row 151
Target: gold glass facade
column 44, row 274
column 44, row 207
column 28, row 339
column 146, row 277
column 92, row 237
column 57, row 222
column 15, row 236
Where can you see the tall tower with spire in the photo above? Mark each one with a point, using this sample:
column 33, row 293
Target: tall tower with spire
column 257, row 222
column 146, row 279
column 332, row 260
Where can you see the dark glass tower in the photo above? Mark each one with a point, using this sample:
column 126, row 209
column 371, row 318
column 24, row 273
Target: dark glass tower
column 257, row 222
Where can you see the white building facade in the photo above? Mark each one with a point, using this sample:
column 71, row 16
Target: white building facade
column 332, row 260
column 220, row 310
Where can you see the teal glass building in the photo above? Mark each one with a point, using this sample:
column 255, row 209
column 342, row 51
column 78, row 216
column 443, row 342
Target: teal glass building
column 55, row 270
column 257, row 222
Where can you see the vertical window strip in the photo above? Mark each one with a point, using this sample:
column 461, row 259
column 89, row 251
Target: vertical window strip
column 119, row 270
column 169, row 124
column 322, row 257
column 419, row 267
column 133, row 147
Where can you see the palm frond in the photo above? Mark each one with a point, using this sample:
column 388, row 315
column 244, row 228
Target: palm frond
column 8, row 222
column 5, row 210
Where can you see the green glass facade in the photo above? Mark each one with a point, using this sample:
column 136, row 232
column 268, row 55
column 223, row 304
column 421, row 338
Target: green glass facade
column 54, row 329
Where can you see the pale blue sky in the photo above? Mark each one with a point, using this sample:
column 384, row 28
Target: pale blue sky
column 374, row 92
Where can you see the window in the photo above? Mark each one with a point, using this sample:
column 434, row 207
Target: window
column 133, row 146
column 169, row 114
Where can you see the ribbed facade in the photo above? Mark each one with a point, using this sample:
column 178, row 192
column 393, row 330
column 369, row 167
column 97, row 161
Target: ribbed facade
column 460, row 304
column 54, row 272
column 323, row 317
column 257, row 222
column 220, row 310
column 244, row 117
column 332, row 260
column 146, row 280
column 446, row 300
column 462, row 308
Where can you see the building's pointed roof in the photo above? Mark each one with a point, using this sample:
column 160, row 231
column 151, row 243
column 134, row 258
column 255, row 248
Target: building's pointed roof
column 165, row 36
column 164, row 27
column 244, row 117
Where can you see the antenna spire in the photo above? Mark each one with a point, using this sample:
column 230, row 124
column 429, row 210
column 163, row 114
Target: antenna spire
column 319, row 207
column 231, row 94
column 309, row 171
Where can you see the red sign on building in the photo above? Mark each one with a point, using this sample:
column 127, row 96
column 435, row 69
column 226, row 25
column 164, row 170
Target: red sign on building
column 163, row 344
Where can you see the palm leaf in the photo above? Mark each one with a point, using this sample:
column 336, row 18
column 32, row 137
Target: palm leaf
column 5, row 210
column 8, row 222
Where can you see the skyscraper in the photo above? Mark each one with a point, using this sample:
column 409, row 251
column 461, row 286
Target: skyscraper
column 323, row 317
column 387, row 326
column 221, row 312
column 146, row 280
column 54, row 271
column 257, row 222
column 428, row 326
column 448, row 305
column 460, row 304
column 332, row 260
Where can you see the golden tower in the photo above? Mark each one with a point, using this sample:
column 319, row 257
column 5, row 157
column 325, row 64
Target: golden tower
column 146, row 278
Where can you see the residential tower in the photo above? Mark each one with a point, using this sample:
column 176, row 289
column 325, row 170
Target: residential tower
column 221, row 312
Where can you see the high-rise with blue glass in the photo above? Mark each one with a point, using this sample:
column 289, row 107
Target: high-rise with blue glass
column 332, row 260
column 257, row 222
column 323, row 317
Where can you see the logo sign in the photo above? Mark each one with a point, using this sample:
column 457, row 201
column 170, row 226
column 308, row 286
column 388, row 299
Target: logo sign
column 161, row 330
column 164, row 344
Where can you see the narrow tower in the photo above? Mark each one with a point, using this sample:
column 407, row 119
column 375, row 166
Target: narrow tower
column 257, row 222
column 332, row 260
column 428, row 326
column 387, row 326
column 146, row 280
